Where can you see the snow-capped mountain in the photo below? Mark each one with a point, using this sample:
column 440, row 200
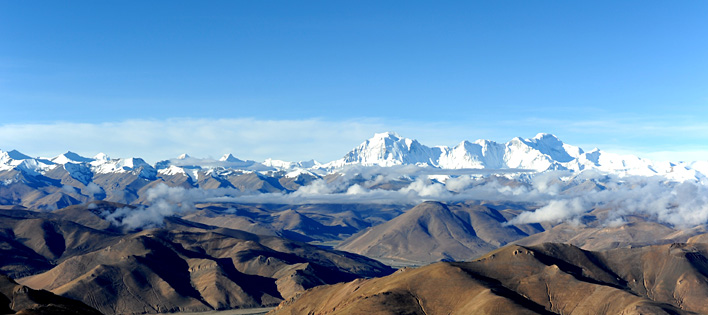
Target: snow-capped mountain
column 541, row 153
column 388, row 149
column 123, row 178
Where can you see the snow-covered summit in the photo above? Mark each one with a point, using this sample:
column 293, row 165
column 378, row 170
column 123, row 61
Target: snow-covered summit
column 285, row 165
column 541, row 153
column 16, row 160
column 16, row 155
column 70, row 157
column 388, row 149
column 229, row 158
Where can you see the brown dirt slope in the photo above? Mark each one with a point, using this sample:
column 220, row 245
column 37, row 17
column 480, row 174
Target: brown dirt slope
column 16, row 298
column 440, row 231
column 595, row 234
column 172, row 270
column 545, row 279
column 32, row 242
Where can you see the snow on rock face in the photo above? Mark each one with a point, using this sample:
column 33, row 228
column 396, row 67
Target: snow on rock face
column 17, row 155
column 388, row 149
column 101, row 157
column 16, row 160
column 285, row 165
column 480, row 154
column 524, row 154
column 540, row 153
column 144, row 169
column 71, row 157
column 80, row 172
column 229, row 158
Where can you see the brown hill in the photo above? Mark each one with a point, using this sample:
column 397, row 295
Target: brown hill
column 197, row 270
column 545, row 279
column 433, row 231
column 32, row 242
column 308, row 222
column 19, row 299
column 594, row 234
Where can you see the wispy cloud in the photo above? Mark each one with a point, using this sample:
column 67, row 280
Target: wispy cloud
column 246, row 138
column 156, row 140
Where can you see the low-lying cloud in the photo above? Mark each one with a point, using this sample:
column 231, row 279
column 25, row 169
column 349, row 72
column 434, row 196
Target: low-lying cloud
column 557, row 196
column 164, row 201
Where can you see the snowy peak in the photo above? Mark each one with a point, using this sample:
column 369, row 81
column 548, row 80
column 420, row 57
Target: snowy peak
column 550, row 145
column 285, row 165
column 543, row 152
column 540, row 153
column 16, row 160
column 101, row 157
column 388, row 149
column 228, row 161
column 230, row 158
column 17, row 155
column 134, row 165
column 547, row 137
column 71, row 157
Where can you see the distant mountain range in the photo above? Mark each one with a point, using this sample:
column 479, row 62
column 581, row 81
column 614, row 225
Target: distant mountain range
column 540, row 153
column 66, row 179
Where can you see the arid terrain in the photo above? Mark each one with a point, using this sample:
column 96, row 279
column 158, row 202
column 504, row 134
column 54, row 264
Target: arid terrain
column 549, row 278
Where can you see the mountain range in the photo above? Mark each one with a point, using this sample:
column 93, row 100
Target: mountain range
column 540, row 153
column 66, row 179
column 181, row 266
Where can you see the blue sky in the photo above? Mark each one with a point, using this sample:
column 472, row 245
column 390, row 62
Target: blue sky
column 278, row 76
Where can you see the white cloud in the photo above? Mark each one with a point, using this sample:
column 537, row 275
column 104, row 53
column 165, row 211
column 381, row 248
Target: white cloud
column 93, row 189
column 555, row 211
column 682, row 204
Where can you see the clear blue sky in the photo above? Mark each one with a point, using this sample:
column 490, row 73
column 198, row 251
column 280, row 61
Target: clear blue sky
column 628, row 76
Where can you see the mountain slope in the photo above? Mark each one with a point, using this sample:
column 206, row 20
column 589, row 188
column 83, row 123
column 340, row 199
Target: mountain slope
column 193, row 269
column 33, row 242
column 434, row 231
column 19, row 299
column 545, row 279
